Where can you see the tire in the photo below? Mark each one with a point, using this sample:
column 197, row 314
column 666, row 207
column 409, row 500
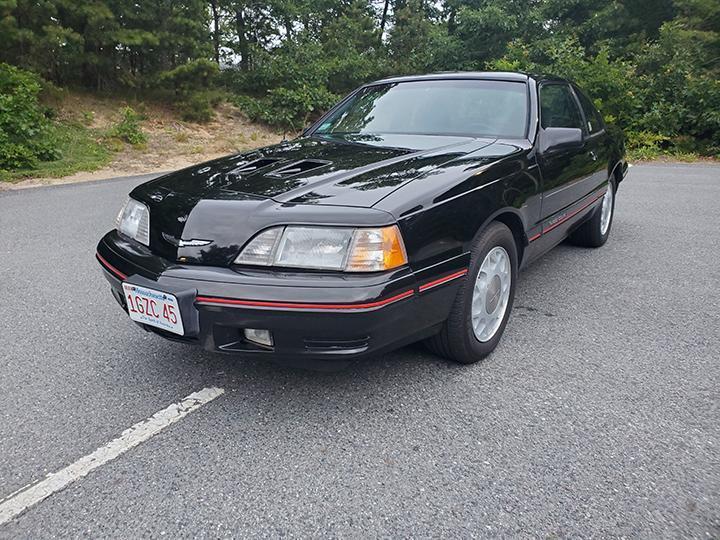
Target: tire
column 591, row 233
column 457, row 339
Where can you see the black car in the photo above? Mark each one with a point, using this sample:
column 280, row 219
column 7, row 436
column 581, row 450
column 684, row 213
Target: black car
column 402, row 214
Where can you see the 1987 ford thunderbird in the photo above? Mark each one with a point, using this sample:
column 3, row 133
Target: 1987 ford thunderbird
column 403, row 214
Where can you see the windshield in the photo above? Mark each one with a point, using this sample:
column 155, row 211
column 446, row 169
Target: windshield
column 443, row 107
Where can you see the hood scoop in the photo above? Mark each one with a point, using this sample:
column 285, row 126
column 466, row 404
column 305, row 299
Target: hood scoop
column 254, row 165
column 299, row 167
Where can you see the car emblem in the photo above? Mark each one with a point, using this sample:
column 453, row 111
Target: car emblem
column 193, row 243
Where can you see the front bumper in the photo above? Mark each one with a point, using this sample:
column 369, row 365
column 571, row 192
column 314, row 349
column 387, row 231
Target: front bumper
column 316, row 319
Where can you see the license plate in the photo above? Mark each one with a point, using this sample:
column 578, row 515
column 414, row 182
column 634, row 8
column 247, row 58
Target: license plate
column 155, row 308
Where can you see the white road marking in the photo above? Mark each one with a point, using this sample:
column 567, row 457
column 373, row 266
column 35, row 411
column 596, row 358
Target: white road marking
column 32, row 494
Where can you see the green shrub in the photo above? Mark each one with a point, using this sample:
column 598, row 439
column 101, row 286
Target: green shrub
column 644, row 145
column 81, row 149
column 191, row 77
column 127, row 128
column 25, row 134
column 189, row 85
column 300, row 80
column 285, row 107
column 199, row 106
column 88, row 117
column 680, row 98
column 289, row 108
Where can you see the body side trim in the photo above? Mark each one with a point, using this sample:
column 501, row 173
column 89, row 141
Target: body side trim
column 441, row 281
column 567, row 217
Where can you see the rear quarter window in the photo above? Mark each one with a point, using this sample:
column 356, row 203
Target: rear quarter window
column 558, row 107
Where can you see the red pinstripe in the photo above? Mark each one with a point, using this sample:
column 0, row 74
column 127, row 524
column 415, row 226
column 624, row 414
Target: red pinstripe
column 299, row 305
column 302, row 305
column 563, row 220
column 440, row 281
column 110, row 268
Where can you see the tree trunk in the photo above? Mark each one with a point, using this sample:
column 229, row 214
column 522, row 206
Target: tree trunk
column 242, row 40
column 451, row 23
column 288, row 28
column 216, row 29
column 383, row 21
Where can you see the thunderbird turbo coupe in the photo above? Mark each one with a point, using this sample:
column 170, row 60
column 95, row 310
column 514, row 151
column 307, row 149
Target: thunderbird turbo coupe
column 403, row 214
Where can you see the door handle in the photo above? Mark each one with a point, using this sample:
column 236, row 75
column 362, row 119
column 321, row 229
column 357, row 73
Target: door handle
column 593, row 155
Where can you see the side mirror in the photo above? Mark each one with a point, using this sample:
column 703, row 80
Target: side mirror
column 553, row 139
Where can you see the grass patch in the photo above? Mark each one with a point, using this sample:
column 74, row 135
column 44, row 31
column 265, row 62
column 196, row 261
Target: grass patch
column 648, row 146
column 128, row 128
column 80, row 151
column 652, row 154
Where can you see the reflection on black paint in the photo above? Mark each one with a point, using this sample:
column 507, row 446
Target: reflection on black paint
column 215, row 255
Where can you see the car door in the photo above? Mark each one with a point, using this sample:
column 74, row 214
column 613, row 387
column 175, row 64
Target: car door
column 567, row 173
column 596, row 139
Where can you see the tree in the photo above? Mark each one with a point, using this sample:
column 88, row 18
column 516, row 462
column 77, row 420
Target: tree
column 652, row 65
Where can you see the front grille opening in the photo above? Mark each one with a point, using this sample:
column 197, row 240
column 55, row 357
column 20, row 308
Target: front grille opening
column 255, row 165
column 299, row 167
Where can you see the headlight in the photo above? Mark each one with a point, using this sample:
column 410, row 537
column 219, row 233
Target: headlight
column 326, row 248
column 133, row 220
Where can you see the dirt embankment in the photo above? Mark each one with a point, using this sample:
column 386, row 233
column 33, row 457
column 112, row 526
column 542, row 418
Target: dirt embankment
column 172, row 143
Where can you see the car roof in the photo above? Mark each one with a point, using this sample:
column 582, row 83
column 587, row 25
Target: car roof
column 515, row 76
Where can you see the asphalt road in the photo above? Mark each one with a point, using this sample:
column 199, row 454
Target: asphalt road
column 598, row 415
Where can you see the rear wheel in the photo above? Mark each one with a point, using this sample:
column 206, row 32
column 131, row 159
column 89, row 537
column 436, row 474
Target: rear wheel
column 484, row 301
column 595, row 231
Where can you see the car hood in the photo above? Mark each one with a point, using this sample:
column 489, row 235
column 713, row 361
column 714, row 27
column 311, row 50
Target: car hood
column 356, row 171
column 216, row 200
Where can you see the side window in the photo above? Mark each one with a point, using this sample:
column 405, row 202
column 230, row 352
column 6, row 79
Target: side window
column 558, row 107
column 592, row 115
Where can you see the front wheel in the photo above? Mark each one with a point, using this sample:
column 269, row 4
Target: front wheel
column 484, row 301
column 595, row 231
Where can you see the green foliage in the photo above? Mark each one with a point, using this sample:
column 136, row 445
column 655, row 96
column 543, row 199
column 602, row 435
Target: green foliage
column 646, row 144
column 25, row 134
column 417, row 45
column 297, row 83
column 190, row 86
column 609, row 83
column 31, row 144
column 665, row 92
column 128, row 128
column 681, row 97
column 199, row 106
column 103, row 44
column 288, row 108
column 88, row 117
column 79, row 148
column 652, row 66
column 191, row 77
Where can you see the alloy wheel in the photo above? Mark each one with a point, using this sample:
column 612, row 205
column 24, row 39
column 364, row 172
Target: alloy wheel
column 491, row 294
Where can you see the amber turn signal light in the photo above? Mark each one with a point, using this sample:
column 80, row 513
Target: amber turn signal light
column 374, row 250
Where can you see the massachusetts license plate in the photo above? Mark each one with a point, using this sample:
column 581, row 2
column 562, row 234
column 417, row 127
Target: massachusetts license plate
column 155, row 308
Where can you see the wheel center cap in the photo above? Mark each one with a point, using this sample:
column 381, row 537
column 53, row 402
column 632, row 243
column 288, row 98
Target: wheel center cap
column 493, row 294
